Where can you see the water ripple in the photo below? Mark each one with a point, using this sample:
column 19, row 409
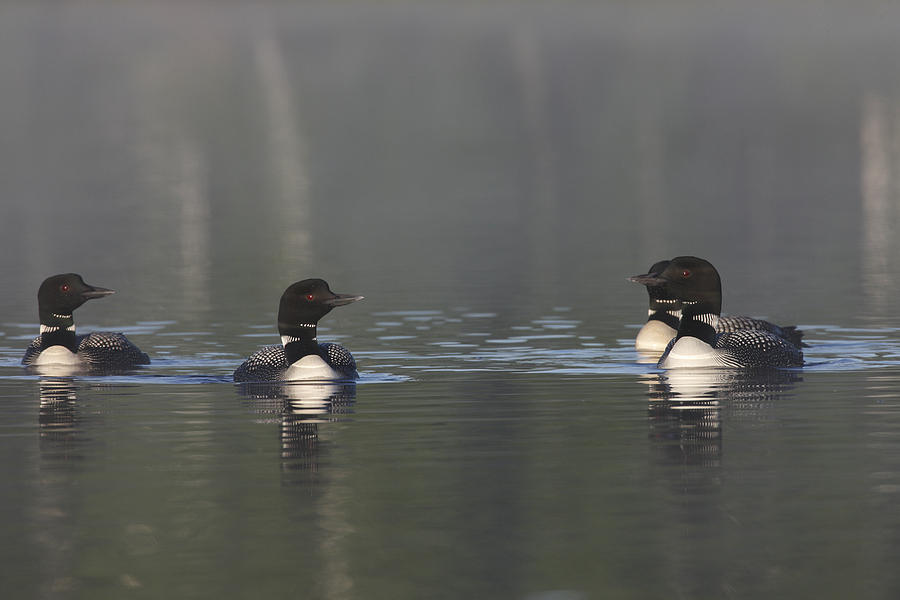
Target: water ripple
column 402, row 344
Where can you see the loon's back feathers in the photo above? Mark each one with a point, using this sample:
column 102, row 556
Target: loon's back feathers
column 111, row 350
column 757, row 348
column 788, row 333
column 99, row 351
column 266, row 364
column 269, row 363
column 339, row 358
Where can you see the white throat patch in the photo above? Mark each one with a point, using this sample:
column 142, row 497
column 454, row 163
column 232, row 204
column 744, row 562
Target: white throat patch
column 287, row 339
column 49, row 329
column 708, row 318
column 675, row 313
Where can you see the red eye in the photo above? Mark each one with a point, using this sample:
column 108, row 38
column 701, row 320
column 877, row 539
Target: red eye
column 310, row 297
column 685, row 273
column 64, row 287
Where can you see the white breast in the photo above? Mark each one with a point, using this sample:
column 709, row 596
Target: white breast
column 311, row 367
column 653, row 337
column 57, row 356
column 691, row 352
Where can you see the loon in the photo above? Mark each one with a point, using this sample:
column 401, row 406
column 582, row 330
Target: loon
column 58, row 346
column 665, row 314
column 699, row 343
column 300, row 356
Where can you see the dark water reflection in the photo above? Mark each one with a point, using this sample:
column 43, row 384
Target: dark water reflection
column 298, row 409
column 58, row 418
column 687, row 410
column 738, row 474
column 762, row 459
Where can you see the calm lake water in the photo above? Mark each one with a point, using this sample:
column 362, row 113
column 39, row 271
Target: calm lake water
column 487, row 176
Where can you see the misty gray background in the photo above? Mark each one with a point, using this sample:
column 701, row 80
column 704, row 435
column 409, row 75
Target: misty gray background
column 487, row 175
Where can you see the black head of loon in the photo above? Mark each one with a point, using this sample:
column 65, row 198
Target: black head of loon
column 661, row 300
column 60, row 295
column 693, row 281
column 697, row 285
column 304, row 303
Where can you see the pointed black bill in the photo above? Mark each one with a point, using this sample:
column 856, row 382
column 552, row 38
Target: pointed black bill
column 342, row 299
column 96, row 292
column 649, row 279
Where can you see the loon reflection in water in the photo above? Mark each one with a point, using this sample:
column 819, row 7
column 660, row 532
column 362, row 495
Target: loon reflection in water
column 299, row 408
column 686, row 407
